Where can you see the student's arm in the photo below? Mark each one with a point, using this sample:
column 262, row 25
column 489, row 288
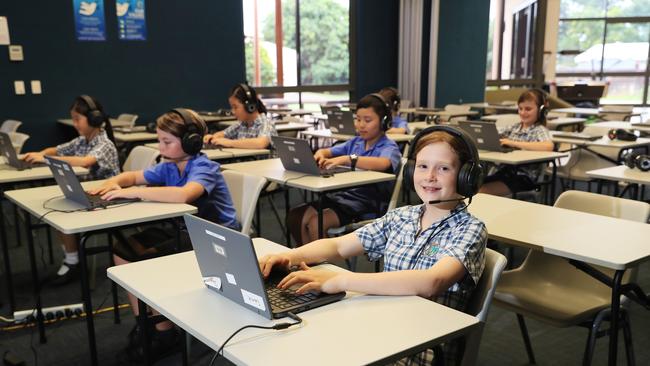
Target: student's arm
column 82, row 161
column 188, row 193
column 37, row 157
column 536, row 145
column 425, row 283
column 396, row 130
column 261, row 142
column 208, row 137
column 123, row 180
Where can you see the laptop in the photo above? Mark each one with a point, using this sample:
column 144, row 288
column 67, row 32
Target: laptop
column 341, row 122
column 485, row 135
column 229, row 266
column 577, row 135
column 8, row 151
column 69, row 184
column 295, row 154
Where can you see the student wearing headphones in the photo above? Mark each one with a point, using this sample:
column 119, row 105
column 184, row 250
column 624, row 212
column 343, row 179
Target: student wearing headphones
column 529, row 134
column 185, row 176
column 435, row 250
column 95, row 150
column 399, row 125
column 371, row 150
column 254, row 129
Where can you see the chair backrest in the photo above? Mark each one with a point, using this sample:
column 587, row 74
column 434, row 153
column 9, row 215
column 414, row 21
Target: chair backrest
column 397, row 188
column 479, row 303
column 18, row 140
column 130, row 118
column 10, row 125
column 604, row 205
column 457, row 108
column 244, row 191
column 505, row 120
column 405, row 103
column 140, row 158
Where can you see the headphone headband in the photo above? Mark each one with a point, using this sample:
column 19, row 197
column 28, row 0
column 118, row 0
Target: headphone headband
column 89, row 102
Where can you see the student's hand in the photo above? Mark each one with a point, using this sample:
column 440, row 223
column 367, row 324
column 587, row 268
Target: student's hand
column 131, row 192
column 221, row 141
column 269, row 261
column 312, row 280
column 34, row 157
column 104, row 188
column 334, row 162
column 206, row 138
column 319, row 156
column 507, row 142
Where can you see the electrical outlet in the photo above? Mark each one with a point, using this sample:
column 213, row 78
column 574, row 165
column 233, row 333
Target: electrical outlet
column 23, row 314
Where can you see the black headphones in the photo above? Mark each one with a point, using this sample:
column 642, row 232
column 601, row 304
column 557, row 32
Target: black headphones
column 471, row 173
column 387, row 120
column 250, row 103
column 542, row 110
column 636, row 160
column 396, row 99
column 192, row 139
column 621, row 134
column 95, row 116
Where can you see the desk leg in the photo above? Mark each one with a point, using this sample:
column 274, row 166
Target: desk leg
column 613, row 326
column 553, row 179
column 320, row 215
column 287, row 233
column 36, row 282
column 7, row 260
column 85, row 295
column 144, row 326
column 186, row 340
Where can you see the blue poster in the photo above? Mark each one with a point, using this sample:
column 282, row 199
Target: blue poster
column 89, row 20
column 130, row 20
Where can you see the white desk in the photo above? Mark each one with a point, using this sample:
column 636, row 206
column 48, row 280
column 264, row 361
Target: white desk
column 594, row 111
column 357, row 330
column 272, row 170
column 226, row 152
column 497, row 107
column 292, row 126
column 114, row 122
column 446, row 115
column 341, row 137
column 570, row 234
column 209, row 118
column 624, row 125
column 290, row 112
column 84, row 223
column 134, row 137
column 603, row 142
column 551, row 123
column 622, row 173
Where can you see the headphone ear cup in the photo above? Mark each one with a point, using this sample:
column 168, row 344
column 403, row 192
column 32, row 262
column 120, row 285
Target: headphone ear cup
column 469, row 180
column 543, row 112
column 192, row 143
column 151, row 127
column 643, row 162
column 630, row 160
column 250, row 107
column 95, row 118
column 407, row 175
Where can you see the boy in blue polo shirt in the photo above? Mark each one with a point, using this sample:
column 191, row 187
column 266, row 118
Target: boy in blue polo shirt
column 185, row 176
column 370, row 150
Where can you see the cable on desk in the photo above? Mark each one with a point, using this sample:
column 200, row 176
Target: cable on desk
column 279, row 326
column 298, row 177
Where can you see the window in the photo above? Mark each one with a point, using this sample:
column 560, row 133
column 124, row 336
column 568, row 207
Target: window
column 296, row 46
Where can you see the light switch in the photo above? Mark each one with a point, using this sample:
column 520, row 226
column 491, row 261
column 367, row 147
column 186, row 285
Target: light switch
column 36, row 87
column 19, row 86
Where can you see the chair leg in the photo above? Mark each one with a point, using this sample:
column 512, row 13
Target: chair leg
column 593, row 336
column 627, row 334
column 524, row 335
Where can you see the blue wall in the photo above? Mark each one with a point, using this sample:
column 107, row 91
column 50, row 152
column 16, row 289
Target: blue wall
column 462, row 50
column 193, row 56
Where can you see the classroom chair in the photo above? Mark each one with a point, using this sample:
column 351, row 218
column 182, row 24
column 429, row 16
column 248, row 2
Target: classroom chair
column 616, row 116
column 549, row 289
column 480, row 302
column 130, row 118
column 18, row 140
column 244, row 190
column 140, row 158
column 10, row 125
column 506, row 120
column 342, row 230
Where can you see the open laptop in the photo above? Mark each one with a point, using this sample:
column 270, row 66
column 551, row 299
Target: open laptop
column 341, row 122
column 72, row 189
column 295, row 154
column 485, row 135
column 229, row 266
column 8, row 151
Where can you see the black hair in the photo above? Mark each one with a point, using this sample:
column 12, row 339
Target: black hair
column 370, row 101
column 80, row 106
column 240, row 94
column 392, row 97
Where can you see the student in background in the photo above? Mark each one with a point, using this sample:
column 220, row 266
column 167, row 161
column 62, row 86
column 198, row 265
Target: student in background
column 399, row 125
column 435, row 250
column 185, row 176
column 254, row 129
column 95, row 150
column 529, row 134
column 371, row 150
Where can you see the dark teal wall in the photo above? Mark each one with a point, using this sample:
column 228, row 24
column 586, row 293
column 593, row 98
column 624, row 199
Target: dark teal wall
column 193, row 55
column 377, row 26
column 462, row 50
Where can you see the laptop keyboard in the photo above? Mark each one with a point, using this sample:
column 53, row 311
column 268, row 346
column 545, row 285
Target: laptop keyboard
column 96, row 200
column 284, row 299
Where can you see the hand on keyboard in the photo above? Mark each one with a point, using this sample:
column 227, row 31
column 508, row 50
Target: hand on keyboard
column 312, row 280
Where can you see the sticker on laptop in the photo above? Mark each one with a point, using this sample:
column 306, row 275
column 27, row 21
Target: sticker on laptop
column 291, row 148
column 66, row 167
column 231, row 279
column 296, row 161
column 212, row 282
column 219, row 249
column 68, row 187
column 215, row 235
column 480, row 140
column 253, row 300
column 59, row 172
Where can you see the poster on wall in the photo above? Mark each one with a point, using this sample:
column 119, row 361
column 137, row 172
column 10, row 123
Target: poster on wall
column 89, row 20
column 131, row 22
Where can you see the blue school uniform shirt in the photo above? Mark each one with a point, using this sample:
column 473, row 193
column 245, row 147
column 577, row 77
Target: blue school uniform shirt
column 363, row 200
column 399, row 122
column 215, row 203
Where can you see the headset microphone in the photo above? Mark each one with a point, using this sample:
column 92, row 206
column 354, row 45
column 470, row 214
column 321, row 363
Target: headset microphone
column 435, row 202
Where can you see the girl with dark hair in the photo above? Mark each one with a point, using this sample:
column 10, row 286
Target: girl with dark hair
column 254, row 129
column 399, row 124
